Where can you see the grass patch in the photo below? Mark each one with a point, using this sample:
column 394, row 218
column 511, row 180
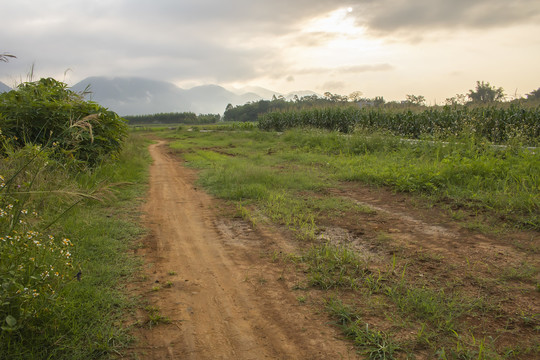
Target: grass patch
column 373, row 343
column 334, row 267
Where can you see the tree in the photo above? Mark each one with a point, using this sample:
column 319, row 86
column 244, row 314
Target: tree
column 534, row 95
column 378, row 101
column 485, row 93
column 355, row 96
column 459, row 99
column 416, row 99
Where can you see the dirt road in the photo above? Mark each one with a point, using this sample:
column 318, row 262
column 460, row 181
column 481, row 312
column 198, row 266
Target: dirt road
column 213, row 278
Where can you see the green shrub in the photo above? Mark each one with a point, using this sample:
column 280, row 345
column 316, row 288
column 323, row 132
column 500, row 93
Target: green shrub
column 47, row 112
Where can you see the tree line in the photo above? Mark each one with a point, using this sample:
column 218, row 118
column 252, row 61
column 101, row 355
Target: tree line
column 185, row 118
column 483, row 94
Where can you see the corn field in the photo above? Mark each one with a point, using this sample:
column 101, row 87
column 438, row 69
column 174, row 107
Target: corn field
column 494, row 124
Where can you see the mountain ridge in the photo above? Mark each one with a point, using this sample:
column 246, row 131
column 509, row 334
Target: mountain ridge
column 140, row 96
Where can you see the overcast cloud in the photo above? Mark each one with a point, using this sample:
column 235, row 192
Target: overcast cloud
column 381, row 47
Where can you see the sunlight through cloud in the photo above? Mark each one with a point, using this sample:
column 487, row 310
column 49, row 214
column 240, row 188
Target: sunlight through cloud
column 337, row 21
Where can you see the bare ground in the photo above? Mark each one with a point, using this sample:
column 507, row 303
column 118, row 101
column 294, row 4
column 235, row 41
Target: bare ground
column 214, row 278
column 211, row 277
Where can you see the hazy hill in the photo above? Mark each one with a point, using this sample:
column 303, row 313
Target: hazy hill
column 214, row 99
column 135, row 96
column 4, row 87
column 260, row 91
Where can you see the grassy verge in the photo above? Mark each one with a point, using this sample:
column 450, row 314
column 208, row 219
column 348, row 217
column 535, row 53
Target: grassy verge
column 385, row 306
column 79, row 314
column 501, row 183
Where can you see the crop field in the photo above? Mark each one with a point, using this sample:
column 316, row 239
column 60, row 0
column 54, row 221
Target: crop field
column 424, row 249
column 493, row 124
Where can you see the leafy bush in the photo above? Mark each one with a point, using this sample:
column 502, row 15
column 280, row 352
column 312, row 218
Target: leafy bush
column 47, row 112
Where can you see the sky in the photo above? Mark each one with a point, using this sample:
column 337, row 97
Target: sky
column 389, row 48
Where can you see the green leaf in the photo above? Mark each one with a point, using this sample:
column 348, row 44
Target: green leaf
column 11, row 321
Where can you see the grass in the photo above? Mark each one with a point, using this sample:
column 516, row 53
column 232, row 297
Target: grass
column 334, row 267
column 522, row 272
column 290, row 179
column 155, row 317
column 81, row 316
column 373, row 343
column 466, row 173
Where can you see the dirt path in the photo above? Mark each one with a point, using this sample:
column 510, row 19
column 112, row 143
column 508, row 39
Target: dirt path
column 213, row 279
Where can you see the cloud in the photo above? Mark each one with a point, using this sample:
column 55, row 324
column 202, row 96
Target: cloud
column 212, row 40
column 247, row 41
column 355, row 69
column 334, row 85
column 383, row 17
column 313, row 39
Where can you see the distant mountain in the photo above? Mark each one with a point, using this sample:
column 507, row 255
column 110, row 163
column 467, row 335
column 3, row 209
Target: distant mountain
column 136, row 96
column 4, row 87
column 268, row 94
column 214, row 99
column 260, row 91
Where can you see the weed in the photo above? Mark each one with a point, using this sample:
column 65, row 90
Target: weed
column 472, row 349
column 375, row 344
column 155, row 317
column 331, row 266
column 522, row 272
column 276, row 256
column 384, row 238
column 374, row 282
column 437, row 307
column 246, row 214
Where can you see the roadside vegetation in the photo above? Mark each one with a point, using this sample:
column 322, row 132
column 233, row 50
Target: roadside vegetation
column 391, row 301
column 69, row 182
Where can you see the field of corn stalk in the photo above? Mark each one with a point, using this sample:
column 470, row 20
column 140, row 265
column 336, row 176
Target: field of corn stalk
column 494, row 124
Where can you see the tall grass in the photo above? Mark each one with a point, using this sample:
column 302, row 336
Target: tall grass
column 64, row 251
